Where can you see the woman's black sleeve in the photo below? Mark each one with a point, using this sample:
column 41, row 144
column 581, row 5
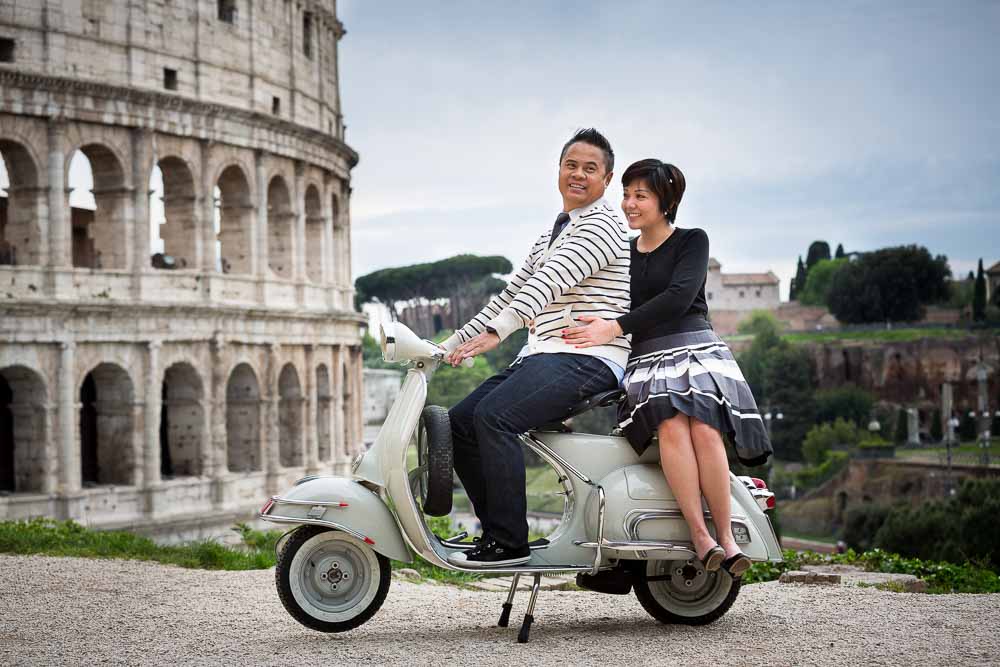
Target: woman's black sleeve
column 690, row 268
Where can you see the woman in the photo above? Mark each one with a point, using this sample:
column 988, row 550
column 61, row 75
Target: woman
column 682, row 382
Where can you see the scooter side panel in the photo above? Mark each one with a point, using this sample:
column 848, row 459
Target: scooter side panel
column 641, row 506
column 351, row 506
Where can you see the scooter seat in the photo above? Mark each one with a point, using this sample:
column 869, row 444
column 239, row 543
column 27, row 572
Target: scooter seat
column 602, row 400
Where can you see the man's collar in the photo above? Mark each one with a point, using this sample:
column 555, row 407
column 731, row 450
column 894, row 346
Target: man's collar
column 598, row 204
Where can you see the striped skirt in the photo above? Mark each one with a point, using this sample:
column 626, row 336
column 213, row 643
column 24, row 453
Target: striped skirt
column 693, row 373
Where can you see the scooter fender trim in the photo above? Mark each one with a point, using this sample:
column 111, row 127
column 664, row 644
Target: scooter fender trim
column 342, row 504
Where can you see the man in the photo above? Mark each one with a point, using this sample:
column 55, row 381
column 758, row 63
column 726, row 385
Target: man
column 578, row 267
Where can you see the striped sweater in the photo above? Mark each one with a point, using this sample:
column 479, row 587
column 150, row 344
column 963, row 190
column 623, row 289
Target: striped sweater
column 585, row 272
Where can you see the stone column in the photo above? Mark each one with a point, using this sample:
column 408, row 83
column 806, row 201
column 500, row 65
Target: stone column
column 206, row 205
column 60, row 235
column 141, row 144
column 259, row 264
column 327, row 208
column 312, row 403
column 338, row 440
column 69, row 456
column 218, row 447
column 153, row 409
column 269, row 429
column 357, row 372
column 299, row 235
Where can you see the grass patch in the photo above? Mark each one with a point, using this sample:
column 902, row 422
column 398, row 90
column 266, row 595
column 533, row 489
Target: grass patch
column 888, row 335
column 48, row 537
column 940, row 577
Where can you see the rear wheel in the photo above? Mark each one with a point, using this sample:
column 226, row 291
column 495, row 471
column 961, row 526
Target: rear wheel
column 681, row 591
column 330, row 581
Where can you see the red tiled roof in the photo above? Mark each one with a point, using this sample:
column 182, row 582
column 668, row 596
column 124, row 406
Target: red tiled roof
column 750, row 278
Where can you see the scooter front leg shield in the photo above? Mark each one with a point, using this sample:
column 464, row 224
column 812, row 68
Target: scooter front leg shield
column 341, row 504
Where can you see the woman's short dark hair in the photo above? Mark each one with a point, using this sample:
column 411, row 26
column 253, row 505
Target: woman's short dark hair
column 595, row 139
column 665, row 180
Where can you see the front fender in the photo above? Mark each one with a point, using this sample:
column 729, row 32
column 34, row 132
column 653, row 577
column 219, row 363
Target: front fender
column 342, row 504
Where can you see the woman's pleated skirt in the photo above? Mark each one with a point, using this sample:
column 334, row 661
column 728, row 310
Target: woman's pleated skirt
column 693, row 373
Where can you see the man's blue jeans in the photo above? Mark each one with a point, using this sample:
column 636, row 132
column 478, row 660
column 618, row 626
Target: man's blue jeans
column 539, row 389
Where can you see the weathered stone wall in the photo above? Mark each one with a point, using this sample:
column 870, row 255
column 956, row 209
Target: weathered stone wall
column 143, row 395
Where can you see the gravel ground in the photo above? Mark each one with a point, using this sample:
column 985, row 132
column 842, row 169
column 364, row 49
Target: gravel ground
column 69, row 611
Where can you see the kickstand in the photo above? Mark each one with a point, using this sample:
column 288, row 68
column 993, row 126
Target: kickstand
column 522, row 636
column 509, row 604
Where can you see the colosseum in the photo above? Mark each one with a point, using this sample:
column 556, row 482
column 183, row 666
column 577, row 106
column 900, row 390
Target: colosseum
column 183, row 344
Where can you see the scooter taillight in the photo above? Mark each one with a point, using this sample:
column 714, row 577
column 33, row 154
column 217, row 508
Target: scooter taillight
column 771, row 504
column 758, row 482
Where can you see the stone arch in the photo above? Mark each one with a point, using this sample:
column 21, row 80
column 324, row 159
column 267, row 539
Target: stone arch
column 290, row 412
column 107, row 454
column 324, row 399
column 23, row 431
column 179, row 229
column 20, row 236
column 235, row 213
column 280, row 227
column 100, row 238
column 182, row 422
column 243, row 451
column 314, row 235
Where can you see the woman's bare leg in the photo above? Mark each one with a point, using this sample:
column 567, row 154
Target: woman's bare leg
column 713, row 473
column 680, row 466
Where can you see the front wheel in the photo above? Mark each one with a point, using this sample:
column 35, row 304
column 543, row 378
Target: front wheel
column 330, row 581
column 681, row 591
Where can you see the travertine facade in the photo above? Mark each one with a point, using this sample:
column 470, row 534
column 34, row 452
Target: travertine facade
column 133, row 394
column 740, row 291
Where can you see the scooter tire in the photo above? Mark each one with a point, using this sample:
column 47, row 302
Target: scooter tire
column 670, row 604
column 287, row 570
column 438, row 457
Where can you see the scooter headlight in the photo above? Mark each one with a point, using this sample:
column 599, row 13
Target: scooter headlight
column 387, row 342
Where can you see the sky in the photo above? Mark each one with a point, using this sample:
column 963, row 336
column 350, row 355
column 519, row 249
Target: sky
column 863, row 123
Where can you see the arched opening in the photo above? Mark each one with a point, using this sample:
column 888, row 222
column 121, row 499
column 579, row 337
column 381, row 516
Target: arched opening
column 280, row 227
column 290, row 403
column 243, row 420
column 182, row 421
column 172, row 213
column 235, row 219
column 23, row 436
column 106, row 427
column 97, row 200
column 314, row 235
column 323, row 402
column 20, row 206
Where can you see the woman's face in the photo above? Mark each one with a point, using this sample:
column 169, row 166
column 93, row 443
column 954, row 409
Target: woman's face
column 641, row 206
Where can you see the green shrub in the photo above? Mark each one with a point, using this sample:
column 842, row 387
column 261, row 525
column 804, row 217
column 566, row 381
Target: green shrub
column 862, row 523
column 813, row 476
column 848, row 402
column 823, row 438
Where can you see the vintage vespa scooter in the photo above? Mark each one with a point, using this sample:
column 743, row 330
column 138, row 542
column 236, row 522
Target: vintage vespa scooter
column 621, row 528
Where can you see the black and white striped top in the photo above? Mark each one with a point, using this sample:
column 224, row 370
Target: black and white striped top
column 585, row 272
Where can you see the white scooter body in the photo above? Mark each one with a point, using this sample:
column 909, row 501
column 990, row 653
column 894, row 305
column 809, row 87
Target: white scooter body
column 618, row 505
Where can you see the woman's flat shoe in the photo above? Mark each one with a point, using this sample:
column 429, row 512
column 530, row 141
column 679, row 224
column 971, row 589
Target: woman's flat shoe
column 736, row 565
column 713, row 558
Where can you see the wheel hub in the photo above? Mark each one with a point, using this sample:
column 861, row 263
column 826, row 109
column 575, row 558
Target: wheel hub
column 688, row 576
column 334, row 574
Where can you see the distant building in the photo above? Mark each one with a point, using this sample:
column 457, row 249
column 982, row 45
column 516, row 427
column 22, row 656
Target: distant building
column 992, row 281
column 740, row 291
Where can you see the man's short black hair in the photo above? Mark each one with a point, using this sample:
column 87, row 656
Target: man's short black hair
column 595, row 139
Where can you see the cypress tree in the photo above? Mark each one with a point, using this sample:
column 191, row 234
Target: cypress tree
column 979, row 295
column 840, row 254
column 799, row 281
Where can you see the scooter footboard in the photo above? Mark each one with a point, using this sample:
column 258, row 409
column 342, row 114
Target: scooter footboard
column 341, row 504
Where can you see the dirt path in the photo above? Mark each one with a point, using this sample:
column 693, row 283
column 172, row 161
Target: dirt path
column 86, row 612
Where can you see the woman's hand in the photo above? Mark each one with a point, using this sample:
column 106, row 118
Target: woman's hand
column 484, row 342
column 595, row 332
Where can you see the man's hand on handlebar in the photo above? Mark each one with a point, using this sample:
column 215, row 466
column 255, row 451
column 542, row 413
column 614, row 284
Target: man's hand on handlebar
column 477, row 345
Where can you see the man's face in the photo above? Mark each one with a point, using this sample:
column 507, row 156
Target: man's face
column 582, row 175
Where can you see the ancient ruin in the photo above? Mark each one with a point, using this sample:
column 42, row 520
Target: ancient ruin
column 148, row 376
